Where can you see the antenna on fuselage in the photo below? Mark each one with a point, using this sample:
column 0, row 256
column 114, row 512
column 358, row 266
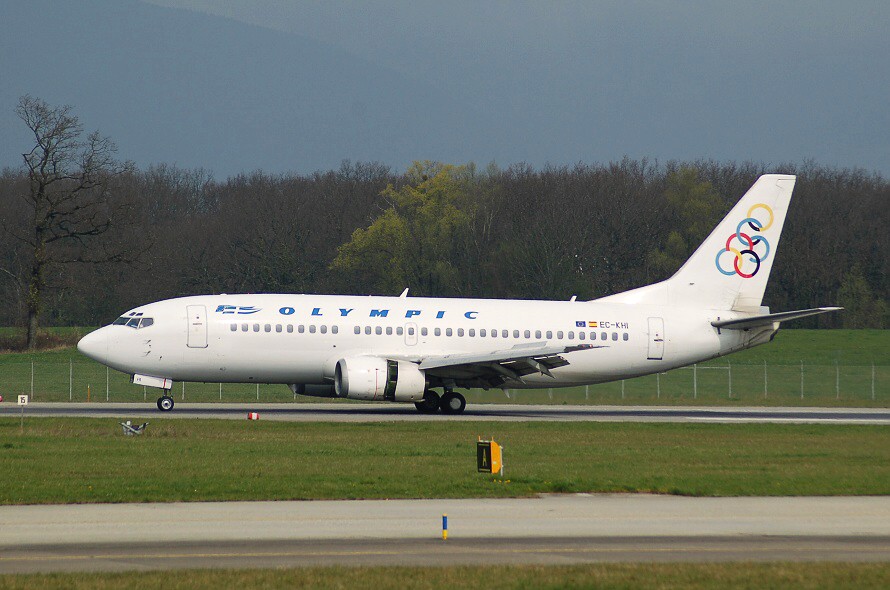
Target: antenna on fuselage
column 404, row 293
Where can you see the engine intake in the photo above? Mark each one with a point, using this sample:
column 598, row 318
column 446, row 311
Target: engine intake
column 374, row 378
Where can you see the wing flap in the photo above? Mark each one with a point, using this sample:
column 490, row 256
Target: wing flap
column 495, row 368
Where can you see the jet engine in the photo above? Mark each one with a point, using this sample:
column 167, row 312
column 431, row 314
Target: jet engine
column 374, row 378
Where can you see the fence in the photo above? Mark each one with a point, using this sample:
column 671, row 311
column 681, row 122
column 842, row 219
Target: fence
column 707, row 384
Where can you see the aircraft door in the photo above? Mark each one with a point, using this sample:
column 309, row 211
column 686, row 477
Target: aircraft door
column 197, row 326
column 656, row 339
column 410, row 333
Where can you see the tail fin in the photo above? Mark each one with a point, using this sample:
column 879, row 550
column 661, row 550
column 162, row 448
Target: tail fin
column 729, row 271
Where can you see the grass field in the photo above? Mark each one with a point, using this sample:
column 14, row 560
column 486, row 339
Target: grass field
column 821, row 576
column 800, row 368
column 74, row 460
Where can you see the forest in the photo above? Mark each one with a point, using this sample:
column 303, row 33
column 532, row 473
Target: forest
column 86, row 237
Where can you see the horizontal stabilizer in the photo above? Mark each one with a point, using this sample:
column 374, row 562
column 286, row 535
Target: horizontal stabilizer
column 769, row 319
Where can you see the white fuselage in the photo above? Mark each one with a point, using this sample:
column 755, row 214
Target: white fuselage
column 298, row 339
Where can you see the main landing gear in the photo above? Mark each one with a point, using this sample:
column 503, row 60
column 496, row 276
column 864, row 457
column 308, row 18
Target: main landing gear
column 451, row 402
column 165, row 403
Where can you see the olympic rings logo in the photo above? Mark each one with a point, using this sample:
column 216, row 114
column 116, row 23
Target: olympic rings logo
column 747, row 252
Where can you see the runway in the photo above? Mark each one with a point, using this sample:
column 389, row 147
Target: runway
column 579, row 528
column 388, row 412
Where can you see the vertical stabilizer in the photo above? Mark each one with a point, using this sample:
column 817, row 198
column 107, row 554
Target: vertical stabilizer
column 729, row 271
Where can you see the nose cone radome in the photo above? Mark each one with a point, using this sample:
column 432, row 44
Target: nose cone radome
column 95, row 345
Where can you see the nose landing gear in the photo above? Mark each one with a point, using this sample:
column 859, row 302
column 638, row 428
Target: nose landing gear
column 165, row 403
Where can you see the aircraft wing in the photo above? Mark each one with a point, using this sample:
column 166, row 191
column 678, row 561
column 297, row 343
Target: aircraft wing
column 771, row 318
column 495, row 368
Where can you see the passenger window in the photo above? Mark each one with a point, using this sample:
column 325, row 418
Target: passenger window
column 234, row 327
column 378, row 330
column 312, row 328
column 494, row 333
column 256, row 327
column 604, row 336
column 581, row 335
column 615, row 336
column 571, row 335
column 437, row 332
column 483, row 333
column 411, row 332
column 559, row 335
column 538, row 334
column 244, row 327
column 624, row 337
column 290, row 328
column 472, row 332
column 399, row 331
column 423, row 331
column 278, row 328
column 448, row 332
column 549, row 335
column 301, row 328
column 515, row 333
column 528, row 334
column 460, row 331
column 389, row 330
column 505, row 334
column 357, row 330
column 324, row 329
column 368, row 330
column 335, row 329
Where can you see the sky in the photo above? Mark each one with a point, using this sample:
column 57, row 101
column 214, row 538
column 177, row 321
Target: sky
column 298, row 86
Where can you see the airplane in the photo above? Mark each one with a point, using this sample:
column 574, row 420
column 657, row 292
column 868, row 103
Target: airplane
column 404, row 349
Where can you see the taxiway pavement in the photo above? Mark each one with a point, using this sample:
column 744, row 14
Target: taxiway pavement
column 388, row 412
column 575, row 528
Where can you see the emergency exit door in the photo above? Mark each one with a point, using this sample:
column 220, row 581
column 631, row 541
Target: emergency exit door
column 656, row 339
column 197, row 326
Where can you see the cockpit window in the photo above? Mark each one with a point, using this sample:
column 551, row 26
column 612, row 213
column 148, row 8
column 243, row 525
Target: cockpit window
column 133, row 322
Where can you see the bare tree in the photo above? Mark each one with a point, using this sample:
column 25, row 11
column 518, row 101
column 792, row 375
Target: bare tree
column 69, row 197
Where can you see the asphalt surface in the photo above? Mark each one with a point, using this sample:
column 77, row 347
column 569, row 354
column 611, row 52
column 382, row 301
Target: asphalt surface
column 579, row 528
column 386, row 412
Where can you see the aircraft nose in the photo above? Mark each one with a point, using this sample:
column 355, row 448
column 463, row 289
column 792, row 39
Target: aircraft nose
column 95, row 345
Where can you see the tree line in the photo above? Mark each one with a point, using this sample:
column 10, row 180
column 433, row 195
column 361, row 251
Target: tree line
column 122, row 236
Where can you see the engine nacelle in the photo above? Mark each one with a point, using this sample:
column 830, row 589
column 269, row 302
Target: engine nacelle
column 374, row 378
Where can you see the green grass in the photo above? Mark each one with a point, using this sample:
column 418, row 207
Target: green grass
column 59, row 460
column 840, row 368
column 821, row 576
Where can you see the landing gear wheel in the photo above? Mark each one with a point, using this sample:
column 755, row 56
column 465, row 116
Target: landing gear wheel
column 452, row 403
column 165, row 404
column 430, row 403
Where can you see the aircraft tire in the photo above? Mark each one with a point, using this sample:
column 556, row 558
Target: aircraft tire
column 452, row 403
column 165, row 403
column 430, row 403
